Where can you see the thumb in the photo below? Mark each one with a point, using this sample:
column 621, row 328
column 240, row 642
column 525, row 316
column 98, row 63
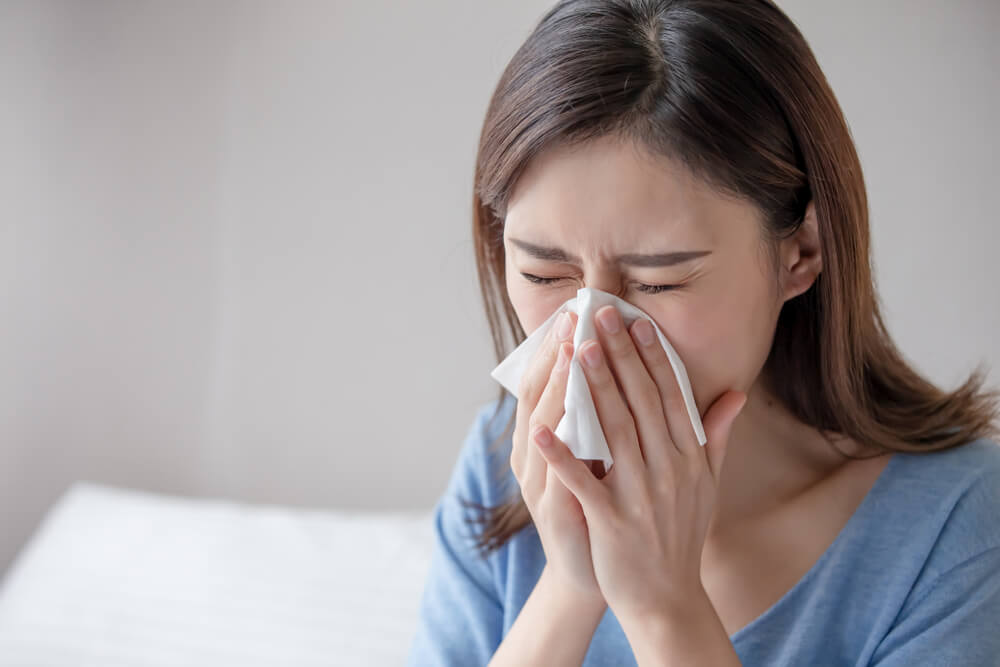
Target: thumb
column 718, row 424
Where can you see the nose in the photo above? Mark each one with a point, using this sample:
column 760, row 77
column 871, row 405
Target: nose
column 617, row 291
column 607, row 283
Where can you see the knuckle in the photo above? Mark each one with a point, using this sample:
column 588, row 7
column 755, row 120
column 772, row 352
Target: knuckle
column 601, row 378
column 532, row 425
column 515, row 467
column 674, row 403
column 624, row 425
column 666, row 484
column 653, row 354
column 649, row 397
column 642, row 509
column 656, row 360
column 517, row 452
column 528, row 388
column 532, row 384
column 555, row 370
column 619, row 523
column 695, row 467
column 619, row 346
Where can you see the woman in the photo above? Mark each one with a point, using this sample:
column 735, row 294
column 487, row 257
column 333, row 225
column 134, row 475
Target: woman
column 689, row 156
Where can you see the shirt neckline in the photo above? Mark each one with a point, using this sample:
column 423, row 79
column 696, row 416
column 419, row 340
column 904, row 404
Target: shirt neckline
column 848, row 527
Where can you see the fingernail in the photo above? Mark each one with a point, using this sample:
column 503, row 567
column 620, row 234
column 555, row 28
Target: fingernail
column 592, row 355
column 643, row 332
column 542, row 436
column 608, row 317
column 563, row 326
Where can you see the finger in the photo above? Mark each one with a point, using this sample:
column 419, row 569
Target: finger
column 562, row 496
column 641, row 394
column 718, row 425
column 593, row 496
column 616, row 420
column 654, row 355
column 548, row 412
column 530, row 388
column 533, row 381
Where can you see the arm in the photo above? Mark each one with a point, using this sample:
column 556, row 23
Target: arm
column 461, row 611
column 460, row 616
column 555, row 627
column 954, row 623
column 686, row 634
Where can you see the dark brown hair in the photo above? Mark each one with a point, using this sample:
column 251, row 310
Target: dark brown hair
column 731, row 90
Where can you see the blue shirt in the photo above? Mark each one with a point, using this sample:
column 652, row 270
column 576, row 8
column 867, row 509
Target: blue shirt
column 912, row 579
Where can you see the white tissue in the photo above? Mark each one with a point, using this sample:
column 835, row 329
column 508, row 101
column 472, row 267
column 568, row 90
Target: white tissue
column 580, row 427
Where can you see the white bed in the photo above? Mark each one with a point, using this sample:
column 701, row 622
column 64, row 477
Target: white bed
column 116, row 577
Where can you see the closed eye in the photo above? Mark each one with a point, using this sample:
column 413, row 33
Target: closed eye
column 647, row 289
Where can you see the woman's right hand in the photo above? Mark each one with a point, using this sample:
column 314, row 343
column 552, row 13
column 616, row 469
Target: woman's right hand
column 555, row 511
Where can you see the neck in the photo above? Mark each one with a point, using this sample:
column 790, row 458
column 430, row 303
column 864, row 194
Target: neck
column 772, row 457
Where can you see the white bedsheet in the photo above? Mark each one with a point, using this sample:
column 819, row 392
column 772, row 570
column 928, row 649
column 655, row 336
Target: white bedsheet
column 119, row 578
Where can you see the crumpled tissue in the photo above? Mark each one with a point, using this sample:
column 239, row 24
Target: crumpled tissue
column 580, row 427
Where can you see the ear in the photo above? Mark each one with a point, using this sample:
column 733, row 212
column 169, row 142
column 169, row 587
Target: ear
column 800, row 256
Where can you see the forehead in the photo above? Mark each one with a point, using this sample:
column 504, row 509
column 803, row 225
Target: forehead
column 615, row 190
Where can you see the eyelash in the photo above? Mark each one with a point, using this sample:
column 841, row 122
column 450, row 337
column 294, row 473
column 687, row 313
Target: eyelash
column 647, row 289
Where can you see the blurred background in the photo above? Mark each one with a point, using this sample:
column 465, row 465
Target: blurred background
column 236, row 240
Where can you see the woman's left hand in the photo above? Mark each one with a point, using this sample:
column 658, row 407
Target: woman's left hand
column 648, row 516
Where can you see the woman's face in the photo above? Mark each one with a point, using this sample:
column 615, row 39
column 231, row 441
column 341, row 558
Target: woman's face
column 597, row 202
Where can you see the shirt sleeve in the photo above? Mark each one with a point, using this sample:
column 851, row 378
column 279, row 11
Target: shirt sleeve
column 460, row 615
column 955, row 623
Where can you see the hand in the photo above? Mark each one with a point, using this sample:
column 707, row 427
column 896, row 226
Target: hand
column 556, row 513
column 648, row 517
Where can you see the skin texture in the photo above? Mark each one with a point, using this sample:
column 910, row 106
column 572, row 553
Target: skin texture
column 772, row 475
column 565, row 537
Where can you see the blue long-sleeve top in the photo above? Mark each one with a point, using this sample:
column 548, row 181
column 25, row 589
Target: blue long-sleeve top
column 913, row 578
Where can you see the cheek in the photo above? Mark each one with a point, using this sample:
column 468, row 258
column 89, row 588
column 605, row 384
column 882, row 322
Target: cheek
column 533, row 305
column 695, row 335
column 722, row 340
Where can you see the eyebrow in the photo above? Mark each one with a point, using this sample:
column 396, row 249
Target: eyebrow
column 631, row 259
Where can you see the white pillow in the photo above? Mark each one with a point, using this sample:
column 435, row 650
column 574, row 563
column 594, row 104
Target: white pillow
column 115, row 577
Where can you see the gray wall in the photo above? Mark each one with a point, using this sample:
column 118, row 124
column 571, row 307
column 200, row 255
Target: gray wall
column 236, row 253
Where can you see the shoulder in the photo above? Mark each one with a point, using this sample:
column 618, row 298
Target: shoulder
column 966, row 472
column 484, row 459
column 950, row 500
column 489, row 435
column 937, row 556
column 975, row 458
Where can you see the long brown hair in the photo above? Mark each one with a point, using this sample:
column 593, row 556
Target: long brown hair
column 731, row 90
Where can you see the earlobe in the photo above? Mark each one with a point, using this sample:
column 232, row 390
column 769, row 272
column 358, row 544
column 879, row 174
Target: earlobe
column 802, row 259
column 811, row 247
